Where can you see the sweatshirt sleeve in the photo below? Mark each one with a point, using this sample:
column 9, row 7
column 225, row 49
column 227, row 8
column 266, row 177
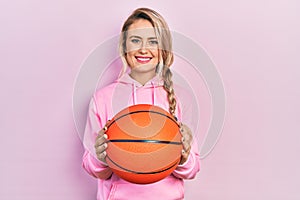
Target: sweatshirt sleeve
column 191, row 167
column 90, row 163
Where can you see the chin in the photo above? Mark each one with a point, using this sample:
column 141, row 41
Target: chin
column 145, row 67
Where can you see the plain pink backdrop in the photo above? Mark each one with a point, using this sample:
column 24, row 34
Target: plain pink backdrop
column 255, row 45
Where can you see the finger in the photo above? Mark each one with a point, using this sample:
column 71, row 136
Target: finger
column 184, row 129
column 184, row 156
column 186, row 146
column 181, row 128
column 186, row 139
column 102, row 131
column 100, row 149
column 100, row 134
column 102, row 156
column 184, row 153
column 186, row 133
column 104, row 128
column 186, row 142
column 101, row 140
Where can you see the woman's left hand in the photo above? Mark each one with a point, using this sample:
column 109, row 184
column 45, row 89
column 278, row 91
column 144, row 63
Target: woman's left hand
column 186, row 139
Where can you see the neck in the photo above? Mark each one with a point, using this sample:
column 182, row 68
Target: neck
column 142, row 78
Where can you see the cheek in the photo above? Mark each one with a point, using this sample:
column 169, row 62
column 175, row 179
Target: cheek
column 154, row 52
column 129, row 59
column 129, row 53
column 131, row 47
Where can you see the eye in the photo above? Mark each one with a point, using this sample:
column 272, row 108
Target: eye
column 153, row 42
column 135, row 41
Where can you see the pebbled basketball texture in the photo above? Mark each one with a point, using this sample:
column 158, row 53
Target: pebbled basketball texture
column 144, row 144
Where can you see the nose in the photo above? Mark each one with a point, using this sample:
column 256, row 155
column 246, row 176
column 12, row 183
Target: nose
column 143, row 48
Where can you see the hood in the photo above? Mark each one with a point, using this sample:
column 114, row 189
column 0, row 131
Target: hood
column 152, row 84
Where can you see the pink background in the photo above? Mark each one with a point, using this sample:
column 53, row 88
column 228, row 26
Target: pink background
column 255, row 45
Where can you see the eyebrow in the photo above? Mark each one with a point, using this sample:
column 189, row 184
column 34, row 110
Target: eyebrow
column 136, row 36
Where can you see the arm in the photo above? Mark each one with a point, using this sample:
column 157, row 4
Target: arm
column 190, row 162
column 191, row 166
column 90, row 162
column 95, row 167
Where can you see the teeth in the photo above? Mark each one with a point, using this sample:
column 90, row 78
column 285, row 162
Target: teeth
column 143, row 59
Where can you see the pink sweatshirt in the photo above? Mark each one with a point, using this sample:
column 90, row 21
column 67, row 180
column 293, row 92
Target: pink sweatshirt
column 108, row 101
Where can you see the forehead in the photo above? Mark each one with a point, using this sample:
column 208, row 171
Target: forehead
column 142, row 28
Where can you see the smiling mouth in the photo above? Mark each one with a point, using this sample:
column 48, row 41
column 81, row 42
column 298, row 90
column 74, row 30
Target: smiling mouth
column 143, row 60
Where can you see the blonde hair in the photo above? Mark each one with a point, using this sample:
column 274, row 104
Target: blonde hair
column 165, row 45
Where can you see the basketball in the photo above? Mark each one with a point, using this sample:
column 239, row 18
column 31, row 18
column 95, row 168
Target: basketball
column 144, row 144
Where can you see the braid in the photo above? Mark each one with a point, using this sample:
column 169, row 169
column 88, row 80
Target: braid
column 168, row 86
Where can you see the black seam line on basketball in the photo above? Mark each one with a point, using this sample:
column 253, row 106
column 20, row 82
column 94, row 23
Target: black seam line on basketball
column 139, row 111
column 135, row 172
column 147, row 141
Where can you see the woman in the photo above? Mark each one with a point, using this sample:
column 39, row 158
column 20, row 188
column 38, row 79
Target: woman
column 146, row 48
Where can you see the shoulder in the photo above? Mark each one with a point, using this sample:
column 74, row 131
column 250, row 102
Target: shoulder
column 102, row 96
column 105, row 91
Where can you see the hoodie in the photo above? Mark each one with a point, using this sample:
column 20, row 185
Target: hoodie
column 107, row 102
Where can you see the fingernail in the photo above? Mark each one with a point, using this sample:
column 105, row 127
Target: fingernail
column 182, row 139
column 105, row 128
column 105, row 136
column 182, row 151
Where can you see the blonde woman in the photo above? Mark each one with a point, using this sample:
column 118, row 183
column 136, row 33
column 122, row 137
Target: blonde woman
column 146, row 50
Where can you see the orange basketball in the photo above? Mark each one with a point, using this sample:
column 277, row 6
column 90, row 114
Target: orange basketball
column 144, row 144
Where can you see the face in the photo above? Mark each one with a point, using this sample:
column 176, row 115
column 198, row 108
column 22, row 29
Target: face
column 142, row 54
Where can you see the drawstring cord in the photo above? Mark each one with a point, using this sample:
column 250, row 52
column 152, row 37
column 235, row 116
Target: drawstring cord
column 153, row 93
column 134, row 93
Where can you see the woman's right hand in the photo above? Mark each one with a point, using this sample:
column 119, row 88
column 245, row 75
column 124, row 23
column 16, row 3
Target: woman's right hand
column 101, row 145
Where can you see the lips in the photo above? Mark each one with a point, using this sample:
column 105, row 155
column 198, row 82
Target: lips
column 143, row 59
